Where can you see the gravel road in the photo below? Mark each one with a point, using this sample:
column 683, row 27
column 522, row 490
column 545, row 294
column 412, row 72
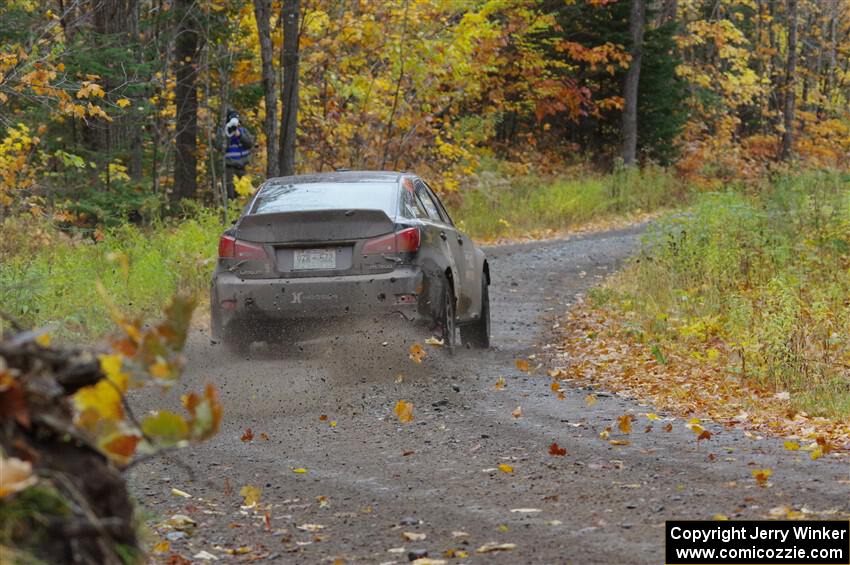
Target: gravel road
column 370, row 479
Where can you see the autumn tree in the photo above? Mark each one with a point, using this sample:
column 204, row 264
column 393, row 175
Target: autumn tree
column 789, row 94
column 186, row 50
column 262, row 13
column 289, row 62
column 637, row 19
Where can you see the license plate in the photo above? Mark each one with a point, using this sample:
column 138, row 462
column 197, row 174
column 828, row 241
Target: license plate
column 311, row 259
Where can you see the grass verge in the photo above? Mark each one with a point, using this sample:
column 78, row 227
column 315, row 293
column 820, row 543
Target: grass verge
column 737, row 308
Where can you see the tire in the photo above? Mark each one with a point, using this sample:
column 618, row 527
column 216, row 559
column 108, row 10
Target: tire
column 236, row 340
column 448, row 320
column 477, row 334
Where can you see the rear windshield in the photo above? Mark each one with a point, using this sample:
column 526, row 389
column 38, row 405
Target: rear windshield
column 328, row 196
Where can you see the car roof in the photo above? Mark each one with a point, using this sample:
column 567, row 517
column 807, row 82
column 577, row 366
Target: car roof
column 339, row 176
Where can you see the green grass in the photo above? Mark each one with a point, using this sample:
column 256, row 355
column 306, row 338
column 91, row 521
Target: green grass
column 767, row 273
column 54, row 284
column 528, row 205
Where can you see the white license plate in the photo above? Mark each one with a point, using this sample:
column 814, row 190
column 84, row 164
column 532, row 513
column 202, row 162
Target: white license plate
column 309, row 259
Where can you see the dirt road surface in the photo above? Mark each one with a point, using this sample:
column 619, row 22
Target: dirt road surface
column 369, row 479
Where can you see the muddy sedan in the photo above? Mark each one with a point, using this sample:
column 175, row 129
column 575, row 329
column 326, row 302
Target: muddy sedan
column 312, row 253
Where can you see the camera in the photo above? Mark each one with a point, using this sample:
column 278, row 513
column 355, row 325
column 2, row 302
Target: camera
column 232, row 126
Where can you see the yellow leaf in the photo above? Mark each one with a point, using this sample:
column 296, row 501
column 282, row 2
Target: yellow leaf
column 761, row 476
column 720, row 517
column 792, row 445
column 590, row 399
column 299, row 470
column 43, row 340
column 123, row 102
column 417, row 354
column 101, row 400
column 500, row 383
column 250, row 494
column 404, row 411
column 506, row 468
column 605, row 433
column 651, row 416
column 434, row 341
column 816, row 454
column 555, row 387
column 517, row 413
column 111, row 367
column 625, row 423
column 162, row 547
column 620, row 442
column 522, row 365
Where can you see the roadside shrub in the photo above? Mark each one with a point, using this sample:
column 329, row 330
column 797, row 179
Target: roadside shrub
column 140, row 269
column 764, row 273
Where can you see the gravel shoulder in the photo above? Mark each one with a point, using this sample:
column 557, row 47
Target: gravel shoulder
column 370, row 479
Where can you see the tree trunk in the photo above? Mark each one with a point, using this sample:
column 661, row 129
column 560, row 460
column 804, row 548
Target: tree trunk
column 630, row 89
column 290, row 10
column 186, row 100
column 787, row 149
column 262, row 12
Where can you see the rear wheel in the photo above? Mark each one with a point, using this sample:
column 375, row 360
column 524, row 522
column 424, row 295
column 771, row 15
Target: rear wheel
column 448, row 321
column 477, row 334
column 236, row 340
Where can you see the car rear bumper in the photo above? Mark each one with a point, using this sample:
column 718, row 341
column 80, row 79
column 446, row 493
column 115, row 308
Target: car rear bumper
column 396, row 292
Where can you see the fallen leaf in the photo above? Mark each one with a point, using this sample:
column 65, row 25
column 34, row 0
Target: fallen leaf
column 180, row 522
column 414, row 536
column 555, row 450
column 428, row 561
column 434, row 341
column 816, row 454
column 625, row 423
column 668, row 427
column 205, row 556
column 704, row 435
column 590, row 399
column 459, row 534
column 404, row 411
column 491, row 547
column 250, row 494
column 264, row 436
column 555, row 373
column 620, row 442
column 311, row 527
column 399, row 378
column 506, row 468
column 761, row 476
column 651, row 416
column 299, row 470
column 605, row 433
column 417, row 354
column 525, row 510
column 500, row 383
column 332, row 423
column 180, row 493
column 407, row 453
column 323, row 417
column 517, row 413
column 248, row 435
column 720, row 517
column 556, row 387
column 161, row 547
column 522, row 365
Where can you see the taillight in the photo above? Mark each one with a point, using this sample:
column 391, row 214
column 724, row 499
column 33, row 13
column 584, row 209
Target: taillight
column 404, row 241
column 231, row 248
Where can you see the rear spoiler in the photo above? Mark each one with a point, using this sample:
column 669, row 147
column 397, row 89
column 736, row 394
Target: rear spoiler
column 313, row 226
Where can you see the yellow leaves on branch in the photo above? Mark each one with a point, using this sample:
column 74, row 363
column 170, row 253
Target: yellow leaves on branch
column 144, row 355
column 90, row 89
